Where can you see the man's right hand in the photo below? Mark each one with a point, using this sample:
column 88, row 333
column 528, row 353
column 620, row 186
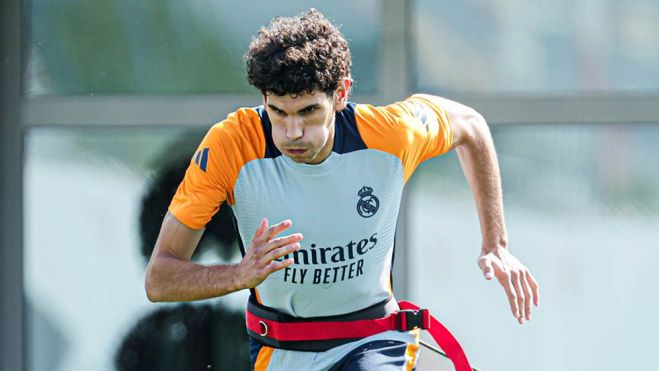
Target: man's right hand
column 260, row 258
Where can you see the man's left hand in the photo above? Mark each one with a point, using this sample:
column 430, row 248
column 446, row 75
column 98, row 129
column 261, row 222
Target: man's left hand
column 516, row 279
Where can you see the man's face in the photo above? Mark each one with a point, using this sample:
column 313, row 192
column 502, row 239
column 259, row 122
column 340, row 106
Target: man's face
column 302, row 125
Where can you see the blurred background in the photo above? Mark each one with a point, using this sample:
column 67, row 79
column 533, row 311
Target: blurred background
column 104, row 102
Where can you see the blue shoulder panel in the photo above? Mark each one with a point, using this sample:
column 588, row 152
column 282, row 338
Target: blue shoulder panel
column 346, row 137
column 270, row 150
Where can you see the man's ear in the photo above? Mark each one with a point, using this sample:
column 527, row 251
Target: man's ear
column 264, row 100
column 341, row 94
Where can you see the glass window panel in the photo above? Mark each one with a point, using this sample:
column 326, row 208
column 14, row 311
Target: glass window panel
column 582, row 210
column 94, row 201
column 171, row 47
column 547, row 46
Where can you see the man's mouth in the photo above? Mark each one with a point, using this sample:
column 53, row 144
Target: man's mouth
column 296, row 151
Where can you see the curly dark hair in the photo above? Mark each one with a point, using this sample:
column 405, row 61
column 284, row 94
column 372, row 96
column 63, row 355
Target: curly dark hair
column 300, row 54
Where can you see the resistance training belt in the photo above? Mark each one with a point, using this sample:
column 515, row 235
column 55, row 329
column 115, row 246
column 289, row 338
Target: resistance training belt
column 278, row 330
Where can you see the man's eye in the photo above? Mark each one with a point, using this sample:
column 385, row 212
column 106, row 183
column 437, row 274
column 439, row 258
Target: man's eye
column 308, row 109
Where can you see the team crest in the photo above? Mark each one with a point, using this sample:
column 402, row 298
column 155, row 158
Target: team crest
column 368, row 204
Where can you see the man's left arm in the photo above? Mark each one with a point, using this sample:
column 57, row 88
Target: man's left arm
column 473, row 143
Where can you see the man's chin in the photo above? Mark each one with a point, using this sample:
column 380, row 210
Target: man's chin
column 301, row 157
column 301, row 160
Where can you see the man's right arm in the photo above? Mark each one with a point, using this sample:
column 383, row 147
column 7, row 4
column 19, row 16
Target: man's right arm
column 172, row 276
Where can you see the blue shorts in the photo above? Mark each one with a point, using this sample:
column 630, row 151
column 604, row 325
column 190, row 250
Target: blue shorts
column 388, row 351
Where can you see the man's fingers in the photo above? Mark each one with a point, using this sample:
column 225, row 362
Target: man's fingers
column 527, row 295
column 515, row 278
column 262, row 227
column 275, row 230
column 518, row 282
column 504, row 276
column 278, row 265
column 534, row 287
column 281, row 251
column 504, row 280
column 283, row 241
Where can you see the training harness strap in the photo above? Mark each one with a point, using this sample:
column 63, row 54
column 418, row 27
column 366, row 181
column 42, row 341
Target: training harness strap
column 302, row 334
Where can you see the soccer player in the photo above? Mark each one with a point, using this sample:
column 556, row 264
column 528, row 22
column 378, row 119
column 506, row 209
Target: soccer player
column 329, row 173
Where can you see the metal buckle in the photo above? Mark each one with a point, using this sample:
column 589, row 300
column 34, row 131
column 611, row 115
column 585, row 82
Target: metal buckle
column 411, row 319
column 264, row 328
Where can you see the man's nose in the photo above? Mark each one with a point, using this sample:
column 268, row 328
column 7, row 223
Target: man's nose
column 294, row 128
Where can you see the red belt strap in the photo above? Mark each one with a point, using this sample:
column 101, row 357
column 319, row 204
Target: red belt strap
column 314, row 330
column 444, row 339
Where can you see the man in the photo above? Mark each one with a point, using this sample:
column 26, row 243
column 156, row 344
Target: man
column 330, row 174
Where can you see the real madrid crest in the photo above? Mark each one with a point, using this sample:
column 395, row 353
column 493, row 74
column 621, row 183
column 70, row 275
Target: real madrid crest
column 368, row 204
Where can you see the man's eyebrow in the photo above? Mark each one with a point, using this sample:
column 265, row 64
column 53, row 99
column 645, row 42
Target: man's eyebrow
column 314, row 105
column 274, row 107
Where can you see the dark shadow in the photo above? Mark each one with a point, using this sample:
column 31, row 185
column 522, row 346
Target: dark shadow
column 186, row 337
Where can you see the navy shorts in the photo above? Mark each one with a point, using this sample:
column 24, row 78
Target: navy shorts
column 385, row 355
column 388, row 351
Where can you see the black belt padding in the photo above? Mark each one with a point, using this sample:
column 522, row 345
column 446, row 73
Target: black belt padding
column 378, row 310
